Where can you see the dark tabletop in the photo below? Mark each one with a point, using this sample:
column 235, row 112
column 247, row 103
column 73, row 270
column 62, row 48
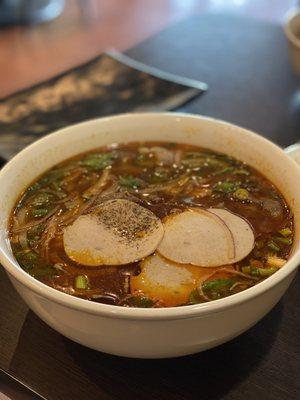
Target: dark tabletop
column 250, row 82
column 245, row 63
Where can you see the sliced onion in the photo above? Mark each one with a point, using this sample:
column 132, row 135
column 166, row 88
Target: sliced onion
column 242, row 232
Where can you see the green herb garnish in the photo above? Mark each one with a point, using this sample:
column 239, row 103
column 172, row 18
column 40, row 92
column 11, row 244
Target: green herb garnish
column 254, row 272
column 273, row 246
column 141, row 302
column 27, row 258
column 259, row 272
column 226, row 186
column 194, row 297
column 241, row 194
column 217, row 284
column 40, row 199
column 246, row 270
column 98, row 161
column 217, row 288
column 160, row 174
column 225, row 170
column 285, row 232
column 263, row 272
column 39, row 212
column 35, row 186
column 81, row 282
column 284, row 240
column 130, row 182
column 241, row 171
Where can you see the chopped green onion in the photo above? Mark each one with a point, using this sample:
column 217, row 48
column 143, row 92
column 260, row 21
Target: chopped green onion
column 41, row 199
column 98, row 161
column 224, row 171
column 145, row 159
column 259, row 272
column 255, row 272
column 242, row 171
column 35, row 186
column 199, row 160
column 141, row 302
column 44, row 271
column 40, row 212
column 81, row 282
column 273, row 246
column 217, row 284
column 36, row 230
column 160, row 174
column 274, row 261
column 55, row 174
column 267, row 271
column 57, row 188
column 284, row 240
column 52, row 176
column 246, row 270
column 27, row 258
column 227, row 186
column 129, row 181
column 241, row 194
column 285, row 232
column 195, row 154
column 28, row 255
column 194, row 297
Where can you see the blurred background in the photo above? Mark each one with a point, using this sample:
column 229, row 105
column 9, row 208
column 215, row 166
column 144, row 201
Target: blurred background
column 32, row 49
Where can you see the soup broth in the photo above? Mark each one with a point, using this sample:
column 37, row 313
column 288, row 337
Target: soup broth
column 129, row 225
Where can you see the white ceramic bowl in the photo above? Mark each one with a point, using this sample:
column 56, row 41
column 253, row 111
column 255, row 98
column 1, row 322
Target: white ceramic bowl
column 149, row 333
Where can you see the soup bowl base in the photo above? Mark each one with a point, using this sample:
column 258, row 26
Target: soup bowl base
column 150, row 338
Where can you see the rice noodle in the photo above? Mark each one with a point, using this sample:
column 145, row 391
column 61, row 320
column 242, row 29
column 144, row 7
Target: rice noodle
column 200, row 290
column 20, row 217
column 234, row 272
column 72, row 212
column 178, row 157
column 35, row 223
column 76, row 173
column 66, row 199
column 176, row 184
column 239, row 283
column 23, row 241
column 96, row 192
column 48, row 234
column 162, row 155
column 19, row 220
column 99, row 185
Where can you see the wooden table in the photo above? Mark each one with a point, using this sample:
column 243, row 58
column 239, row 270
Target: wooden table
column 85, row 29
column 88, row 27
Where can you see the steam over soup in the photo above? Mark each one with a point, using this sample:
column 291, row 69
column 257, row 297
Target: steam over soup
column 151, row 225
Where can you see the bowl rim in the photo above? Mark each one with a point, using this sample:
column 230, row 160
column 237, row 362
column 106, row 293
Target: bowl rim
column 172, row 313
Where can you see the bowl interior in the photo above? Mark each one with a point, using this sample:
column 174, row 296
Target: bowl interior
column 213, row 134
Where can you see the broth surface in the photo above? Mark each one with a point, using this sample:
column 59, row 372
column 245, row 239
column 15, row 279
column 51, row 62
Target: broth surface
column 165, row 178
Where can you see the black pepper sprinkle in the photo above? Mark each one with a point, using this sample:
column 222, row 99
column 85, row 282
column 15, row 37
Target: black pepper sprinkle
column 127, row 219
